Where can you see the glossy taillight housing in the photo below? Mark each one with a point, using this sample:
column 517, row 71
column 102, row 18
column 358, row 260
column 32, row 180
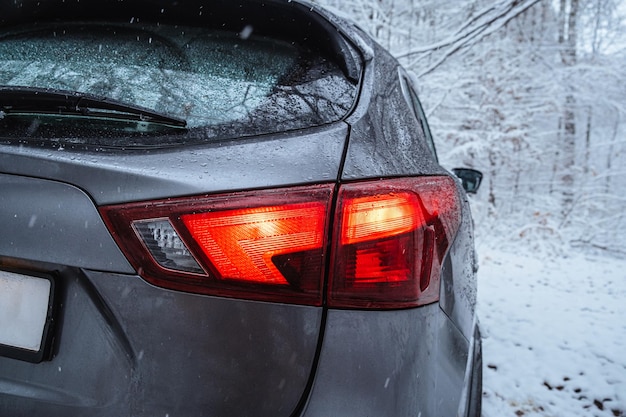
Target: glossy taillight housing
column 387, row 240
column 262, row 245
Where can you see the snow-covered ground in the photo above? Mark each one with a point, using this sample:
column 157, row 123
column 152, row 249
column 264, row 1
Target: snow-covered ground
column 554, row 335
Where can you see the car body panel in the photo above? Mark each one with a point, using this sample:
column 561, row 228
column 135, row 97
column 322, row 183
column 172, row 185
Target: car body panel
column 116, row 176
column 382, row 143
column 412, row 359
column 125, row 347
column 458, row 279
column 385, row 138
column 49, row 221
column 254, row 359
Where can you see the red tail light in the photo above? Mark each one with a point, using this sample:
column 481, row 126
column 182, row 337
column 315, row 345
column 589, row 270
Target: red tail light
column 262, row 245
column 243, row 244
column 389, row 239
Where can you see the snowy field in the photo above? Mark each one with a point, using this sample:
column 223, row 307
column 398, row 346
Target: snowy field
column 554, row 335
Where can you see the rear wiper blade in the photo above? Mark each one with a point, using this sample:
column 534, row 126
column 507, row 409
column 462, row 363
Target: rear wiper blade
column 53, row 101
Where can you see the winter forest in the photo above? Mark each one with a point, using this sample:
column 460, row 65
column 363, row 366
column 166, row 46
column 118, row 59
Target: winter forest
column 533, row 94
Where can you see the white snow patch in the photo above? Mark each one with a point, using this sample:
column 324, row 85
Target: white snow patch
column 554, row 335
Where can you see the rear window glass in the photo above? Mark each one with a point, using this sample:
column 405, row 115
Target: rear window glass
column 224, row 85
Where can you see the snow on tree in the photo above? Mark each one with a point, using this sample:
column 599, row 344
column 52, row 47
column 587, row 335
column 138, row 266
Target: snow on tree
column 531, row 92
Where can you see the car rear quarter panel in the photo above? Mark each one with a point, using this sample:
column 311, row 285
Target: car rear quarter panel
column 408, row 362
column 385, row 138
column 393, row 363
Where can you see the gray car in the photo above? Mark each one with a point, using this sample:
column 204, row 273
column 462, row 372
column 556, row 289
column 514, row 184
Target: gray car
column 220, row 208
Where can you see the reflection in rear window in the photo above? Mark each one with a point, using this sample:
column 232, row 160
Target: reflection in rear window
column 222, row 84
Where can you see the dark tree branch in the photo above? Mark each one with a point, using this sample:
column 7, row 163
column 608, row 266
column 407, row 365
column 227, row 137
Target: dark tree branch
column 485, row 23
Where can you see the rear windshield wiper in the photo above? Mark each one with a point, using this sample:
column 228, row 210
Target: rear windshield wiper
column 52, row 101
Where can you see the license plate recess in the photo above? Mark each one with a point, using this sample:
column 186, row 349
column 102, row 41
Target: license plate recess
column 26, row 315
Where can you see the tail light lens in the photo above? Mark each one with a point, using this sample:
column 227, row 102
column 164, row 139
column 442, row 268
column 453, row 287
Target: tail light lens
column 389, row 241
column 262, row 245
column 389, row 238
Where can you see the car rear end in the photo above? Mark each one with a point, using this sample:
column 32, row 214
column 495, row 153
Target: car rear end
column 290, row 248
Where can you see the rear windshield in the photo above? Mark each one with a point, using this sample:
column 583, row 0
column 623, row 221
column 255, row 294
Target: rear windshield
column 222, row 84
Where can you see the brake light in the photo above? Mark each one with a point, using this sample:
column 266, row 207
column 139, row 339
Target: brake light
column 389, row 238
column 243, row 244
column 263, row 245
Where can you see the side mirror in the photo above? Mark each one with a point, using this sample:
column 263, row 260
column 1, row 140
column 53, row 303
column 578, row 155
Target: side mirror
column 470, row 178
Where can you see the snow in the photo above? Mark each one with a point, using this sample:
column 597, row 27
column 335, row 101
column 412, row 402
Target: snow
column 554, row 334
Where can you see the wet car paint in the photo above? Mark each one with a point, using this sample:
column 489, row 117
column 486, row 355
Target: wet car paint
column 120, row 348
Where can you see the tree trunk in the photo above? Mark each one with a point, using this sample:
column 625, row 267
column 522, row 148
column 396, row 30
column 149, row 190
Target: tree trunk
column 568, row 41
